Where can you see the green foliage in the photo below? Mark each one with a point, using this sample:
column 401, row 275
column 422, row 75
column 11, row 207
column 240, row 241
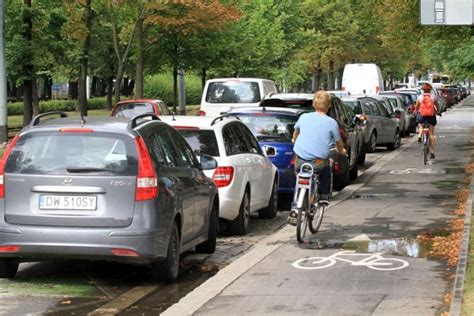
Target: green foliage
column 161, row 87
column 16, row 108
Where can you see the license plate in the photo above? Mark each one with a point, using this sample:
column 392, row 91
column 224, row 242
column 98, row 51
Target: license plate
column 68, row 202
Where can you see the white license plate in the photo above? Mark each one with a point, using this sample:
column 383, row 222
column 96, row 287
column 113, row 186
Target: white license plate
column 67, row 202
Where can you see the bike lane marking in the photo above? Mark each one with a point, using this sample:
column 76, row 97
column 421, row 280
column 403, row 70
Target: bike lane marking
column 373, row 261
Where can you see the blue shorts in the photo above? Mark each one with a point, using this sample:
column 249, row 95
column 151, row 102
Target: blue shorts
column 426, row 119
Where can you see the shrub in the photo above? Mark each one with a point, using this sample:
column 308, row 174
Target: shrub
column 16, row 108
column 160, row 86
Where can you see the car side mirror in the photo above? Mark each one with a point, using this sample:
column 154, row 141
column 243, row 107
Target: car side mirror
column 270, row 151
column 208, row 162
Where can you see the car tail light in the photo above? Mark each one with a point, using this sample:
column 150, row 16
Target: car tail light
column 10, row 248
column 223, row 176
column 3, row 162
column 147, row 181
column 202, row 113
column 125, row 252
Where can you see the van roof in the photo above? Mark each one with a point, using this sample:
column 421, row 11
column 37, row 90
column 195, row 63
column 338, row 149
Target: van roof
column 237, row 79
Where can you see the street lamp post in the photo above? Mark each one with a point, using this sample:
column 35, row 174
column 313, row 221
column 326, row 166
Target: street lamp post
column 3, row 81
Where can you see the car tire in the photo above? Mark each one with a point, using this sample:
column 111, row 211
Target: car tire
column 271, row 210
column 209, row 246
column 167, row 269
column 340, row 181
column 372, row 143
column 361, row 157
column 396, row 141
column 8, row 268
column 354, row 172
column 239, row 226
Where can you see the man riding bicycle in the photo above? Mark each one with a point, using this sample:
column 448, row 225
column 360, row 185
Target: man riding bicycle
column 426, row 108
column 314, row 136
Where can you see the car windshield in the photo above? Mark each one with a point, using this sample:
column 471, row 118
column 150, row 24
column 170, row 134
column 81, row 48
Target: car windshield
column 354, row 106
column 64, row 153
column 203, row 141
column 132, row 109
column 266, row 126
column 233, row 91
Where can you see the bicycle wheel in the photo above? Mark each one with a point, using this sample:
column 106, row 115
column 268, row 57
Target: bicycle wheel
column 315, row 222
column 314, row 263
column 387, row 264
column 302, row 218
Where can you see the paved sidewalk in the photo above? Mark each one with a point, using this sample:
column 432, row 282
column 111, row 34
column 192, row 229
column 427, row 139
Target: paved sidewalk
column 379, row 218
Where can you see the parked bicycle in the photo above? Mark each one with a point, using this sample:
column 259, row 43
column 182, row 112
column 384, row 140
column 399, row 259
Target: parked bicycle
column 374, row 261
column 309, row 210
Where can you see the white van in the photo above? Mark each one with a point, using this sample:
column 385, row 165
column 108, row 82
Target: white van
column 220, row 95
column 362, row 79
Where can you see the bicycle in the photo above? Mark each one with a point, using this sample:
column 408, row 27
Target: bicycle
column 306, row 201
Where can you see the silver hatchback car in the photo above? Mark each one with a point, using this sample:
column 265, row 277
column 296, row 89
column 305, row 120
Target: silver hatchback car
column 106, row 188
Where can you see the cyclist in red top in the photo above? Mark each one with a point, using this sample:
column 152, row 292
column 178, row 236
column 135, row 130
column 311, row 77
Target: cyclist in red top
column 426, row 108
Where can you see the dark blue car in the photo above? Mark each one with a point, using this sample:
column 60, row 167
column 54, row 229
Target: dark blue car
column 274, row 130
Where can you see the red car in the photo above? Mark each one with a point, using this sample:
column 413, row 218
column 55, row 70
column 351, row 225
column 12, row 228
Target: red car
column 131, row 108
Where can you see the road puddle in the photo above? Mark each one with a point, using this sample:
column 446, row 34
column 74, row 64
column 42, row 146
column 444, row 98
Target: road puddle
column 407, row 247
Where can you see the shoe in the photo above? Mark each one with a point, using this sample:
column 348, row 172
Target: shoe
column 432, row 156
column 292, row 217
column 419, row 139
column 324, row 199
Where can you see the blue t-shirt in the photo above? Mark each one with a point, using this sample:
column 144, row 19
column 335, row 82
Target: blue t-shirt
column 318, row 134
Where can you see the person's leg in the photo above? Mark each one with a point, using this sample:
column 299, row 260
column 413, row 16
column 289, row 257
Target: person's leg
column 432, row 140
column 324, row 183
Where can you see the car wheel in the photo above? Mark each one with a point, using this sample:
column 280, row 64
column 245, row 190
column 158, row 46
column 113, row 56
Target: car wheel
column 396, row 141
column 340, row 181
column 8, row 268
column 240, row 225
column 271, row 210
column 167, row 270
column 361, row 157
column 209, row 246
column 372, row 144
column 354, row 172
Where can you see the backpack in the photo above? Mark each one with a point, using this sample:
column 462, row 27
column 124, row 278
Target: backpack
column 427, row 105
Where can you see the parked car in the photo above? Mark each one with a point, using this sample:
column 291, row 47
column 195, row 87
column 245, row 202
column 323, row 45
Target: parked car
column 245, row 177
column 362, row 78
column 350, row 129
column 407, row 106
column 220, row 94
column 380, row 129
column 394, row 111
column 339, row 93
column 132, row 108
column 104, row 189
column 441, row 100
column 448, row 97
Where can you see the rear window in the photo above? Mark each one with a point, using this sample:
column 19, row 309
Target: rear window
column 269, row 127
column 354, row 106
column 73, row 153
column 203, row 140
column 233, row 92
column 132, row 109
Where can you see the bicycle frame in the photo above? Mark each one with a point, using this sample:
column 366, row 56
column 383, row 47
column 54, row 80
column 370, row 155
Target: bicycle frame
column 306, row 179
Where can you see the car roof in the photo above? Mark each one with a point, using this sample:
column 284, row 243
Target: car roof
column 292, row 96
column 196, row 121
column 236, row 79
column 139, row 101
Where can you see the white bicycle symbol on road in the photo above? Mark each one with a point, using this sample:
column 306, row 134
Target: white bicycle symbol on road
column 373, row 261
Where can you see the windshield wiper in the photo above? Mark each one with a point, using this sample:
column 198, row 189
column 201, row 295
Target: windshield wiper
column 87, row 169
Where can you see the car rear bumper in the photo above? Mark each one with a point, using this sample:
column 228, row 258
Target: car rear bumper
column 287, row 179
column 43, row 243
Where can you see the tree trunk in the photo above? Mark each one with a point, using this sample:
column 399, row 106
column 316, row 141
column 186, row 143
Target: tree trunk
column 34, row 93
column 203, row 77
column 82, row 104
column 18, row 93
column 317, row 79
column 139, row 66
column 118, row 83
column 175, row 87
column 331, row 75
column 110, row 90
column 28, row 66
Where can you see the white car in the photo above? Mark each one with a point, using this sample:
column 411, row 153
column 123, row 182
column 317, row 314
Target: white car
column 246, row 178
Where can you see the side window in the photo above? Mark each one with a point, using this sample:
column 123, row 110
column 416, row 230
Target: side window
column 332, row 111
column 168, row 150
column 344, row 114
column 375, row 109
column 240, row 138
column 185, row 155
column 382, row 109
column 367, row 108
column 155, row 149
column 250, row 140
column 231, row 142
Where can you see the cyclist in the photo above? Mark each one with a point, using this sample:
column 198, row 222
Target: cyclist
column 426, row 108
column 314, row 136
